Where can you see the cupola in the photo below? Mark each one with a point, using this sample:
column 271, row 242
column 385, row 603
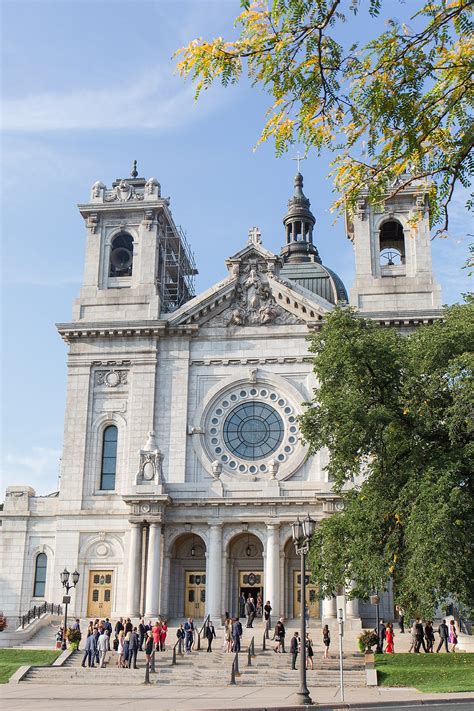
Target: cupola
column 299, row 222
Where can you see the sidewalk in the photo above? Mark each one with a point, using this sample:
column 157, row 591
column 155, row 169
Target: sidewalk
column 169, row 698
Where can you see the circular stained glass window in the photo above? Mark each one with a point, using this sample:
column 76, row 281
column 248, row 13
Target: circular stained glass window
column 253, row 430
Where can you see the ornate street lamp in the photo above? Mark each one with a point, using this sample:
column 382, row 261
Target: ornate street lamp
column 64, row 577
column 375, row 600
column 302, row 533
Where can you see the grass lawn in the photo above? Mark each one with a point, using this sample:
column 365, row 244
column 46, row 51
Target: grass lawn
column 13, row 659
column 430, row 673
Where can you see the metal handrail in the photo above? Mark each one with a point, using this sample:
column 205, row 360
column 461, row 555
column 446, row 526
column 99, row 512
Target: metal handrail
column 204, row 624
column 36, row 612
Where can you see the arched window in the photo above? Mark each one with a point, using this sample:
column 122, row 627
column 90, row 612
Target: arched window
column 109, row 458
column 40, row 575
column 121, row 255
column 392, row 244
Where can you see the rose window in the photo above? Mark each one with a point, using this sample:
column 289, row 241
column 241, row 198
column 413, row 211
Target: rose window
column 249, row 426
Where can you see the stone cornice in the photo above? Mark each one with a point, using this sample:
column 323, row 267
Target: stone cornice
column 131, row 329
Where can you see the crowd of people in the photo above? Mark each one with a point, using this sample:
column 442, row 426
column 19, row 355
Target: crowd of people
column 422, row 636
column 127, row 639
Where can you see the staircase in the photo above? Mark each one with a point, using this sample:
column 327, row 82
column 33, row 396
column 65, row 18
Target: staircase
column 203, row 669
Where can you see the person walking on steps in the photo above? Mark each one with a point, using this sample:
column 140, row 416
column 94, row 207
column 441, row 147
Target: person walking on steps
column 279, row 636
column 210, row 635
column 309, row 652
column 103, row 647
column 294, row 649
column 267, row 610
column 326, row 641
column 89, row 651
column 250, row 610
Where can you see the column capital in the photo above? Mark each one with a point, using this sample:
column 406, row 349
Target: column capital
column 273, row 526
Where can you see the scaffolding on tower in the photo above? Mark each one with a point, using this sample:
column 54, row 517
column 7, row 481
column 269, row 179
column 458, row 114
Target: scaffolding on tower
column 176, row 270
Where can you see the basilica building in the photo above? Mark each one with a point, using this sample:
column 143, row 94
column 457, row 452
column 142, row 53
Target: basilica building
column 183, row 467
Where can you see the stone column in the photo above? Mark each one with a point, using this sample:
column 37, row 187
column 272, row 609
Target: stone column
column 272, row 569
column 214, row 573
column 134, row 570
column 329, row 608
column 352, row 606
column 153, row 571
column 164, row 605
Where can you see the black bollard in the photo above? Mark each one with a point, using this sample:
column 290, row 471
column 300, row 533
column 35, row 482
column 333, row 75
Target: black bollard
column 174, row 656
column 249, row 658
column 147, row 674
column 264, row 646
column 232, row 675
column 152, row 665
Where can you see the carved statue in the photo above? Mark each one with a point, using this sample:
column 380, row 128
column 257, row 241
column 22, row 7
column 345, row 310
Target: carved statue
column 268, row 312
column 151, row 460
column 237, row 317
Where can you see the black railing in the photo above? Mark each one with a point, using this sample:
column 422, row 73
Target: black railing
column 204, row 625
column 38, row 611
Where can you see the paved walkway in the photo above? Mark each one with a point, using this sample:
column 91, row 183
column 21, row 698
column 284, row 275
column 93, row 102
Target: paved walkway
column 55, row 698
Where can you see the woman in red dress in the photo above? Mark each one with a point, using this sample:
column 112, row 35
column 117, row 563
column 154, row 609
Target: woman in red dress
column 389, row 639
column 164, row 630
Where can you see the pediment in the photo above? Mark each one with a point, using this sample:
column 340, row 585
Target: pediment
column 252, row 297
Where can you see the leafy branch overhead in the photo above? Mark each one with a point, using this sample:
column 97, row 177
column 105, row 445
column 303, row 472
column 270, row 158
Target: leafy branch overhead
column 392, row 111
column 396, row 414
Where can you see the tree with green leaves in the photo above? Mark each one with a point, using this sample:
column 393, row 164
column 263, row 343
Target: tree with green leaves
column 396, row 413
column 392, row 111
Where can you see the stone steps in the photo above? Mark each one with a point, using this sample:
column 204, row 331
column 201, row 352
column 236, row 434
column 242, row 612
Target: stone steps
column 202, row 669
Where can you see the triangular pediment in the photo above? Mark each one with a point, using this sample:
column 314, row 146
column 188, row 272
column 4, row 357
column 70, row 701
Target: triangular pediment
column 252, row 295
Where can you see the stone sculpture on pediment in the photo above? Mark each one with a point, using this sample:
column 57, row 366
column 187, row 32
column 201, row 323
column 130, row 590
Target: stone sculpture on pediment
column 253, row 303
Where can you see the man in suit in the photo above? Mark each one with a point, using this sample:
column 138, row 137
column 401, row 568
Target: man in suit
column 250, row 609
column 443, row 632
column 236, row 632
column 294, row 649
column 381, row 632
column 103, row 647
column 133, row 649
column 189, row 634
column 90, row 651
column 210, row 635
column 242, row 602
column 141, row 634
column 420, row 636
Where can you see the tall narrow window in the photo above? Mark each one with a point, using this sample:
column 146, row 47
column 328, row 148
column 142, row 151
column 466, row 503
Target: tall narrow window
column 109, row 458
column 40, row 575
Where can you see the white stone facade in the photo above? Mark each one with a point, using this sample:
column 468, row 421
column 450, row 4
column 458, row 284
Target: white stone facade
column 186, row 500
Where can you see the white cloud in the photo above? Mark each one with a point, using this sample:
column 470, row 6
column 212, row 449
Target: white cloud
column 38, row 468
column 159, row 101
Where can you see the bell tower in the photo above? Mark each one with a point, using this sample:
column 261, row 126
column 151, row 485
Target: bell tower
column 393, row 254
column 138, row 263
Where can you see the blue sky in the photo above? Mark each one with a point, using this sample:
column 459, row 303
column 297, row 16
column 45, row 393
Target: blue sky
column 87, row 87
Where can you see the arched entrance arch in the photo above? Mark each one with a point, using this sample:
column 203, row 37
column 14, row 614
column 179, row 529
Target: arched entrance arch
column 245, row 570
column 187, row 582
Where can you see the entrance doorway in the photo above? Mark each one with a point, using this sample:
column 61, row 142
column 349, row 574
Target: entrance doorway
column 99, row 600
column 195, row 594
column 250, row 583
column 312, row 596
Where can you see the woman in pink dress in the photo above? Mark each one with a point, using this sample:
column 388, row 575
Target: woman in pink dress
column 389, row 639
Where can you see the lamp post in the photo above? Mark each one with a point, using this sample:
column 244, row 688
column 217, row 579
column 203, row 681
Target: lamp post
column 302, row 532
column 64, row 577
column 375, row 600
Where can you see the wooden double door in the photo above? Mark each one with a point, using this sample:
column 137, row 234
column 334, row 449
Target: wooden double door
column 195, row 594
column 312, row 596
column 99, row 600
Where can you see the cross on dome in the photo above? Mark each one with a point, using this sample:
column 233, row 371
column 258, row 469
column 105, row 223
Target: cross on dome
column 255, row 236
column 298, row 160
